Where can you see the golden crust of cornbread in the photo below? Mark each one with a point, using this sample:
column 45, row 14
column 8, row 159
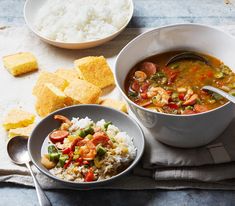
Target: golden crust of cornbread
column 23, row 131
column 95, row 70
column 20, row 63
column 50, row 99
column 83, row 92
column 18, row 118
column 116, row 104
column 68, row 74
column 48, row 77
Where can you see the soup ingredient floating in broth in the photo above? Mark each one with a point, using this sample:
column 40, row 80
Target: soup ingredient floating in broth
column 175, row 87
column 82, row 150
column 81, row 21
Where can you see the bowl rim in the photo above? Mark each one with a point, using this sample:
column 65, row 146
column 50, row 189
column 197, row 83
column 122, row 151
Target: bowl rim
column 97, row 41
column 153, row 30
column 72, row 183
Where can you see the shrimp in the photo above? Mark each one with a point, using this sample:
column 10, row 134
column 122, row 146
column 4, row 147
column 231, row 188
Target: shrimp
column 188, row 94
column 140, row 76
column 66, row 123
column 88, row 151
column 192, row 100
column 159, row 96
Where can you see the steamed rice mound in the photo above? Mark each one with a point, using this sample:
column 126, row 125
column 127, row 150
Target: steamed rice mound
column 81, row 21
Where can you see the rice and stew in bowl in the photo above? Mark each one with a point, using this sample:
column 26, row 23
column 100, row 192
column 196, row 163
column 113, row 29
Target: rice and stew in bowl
column 100, row 146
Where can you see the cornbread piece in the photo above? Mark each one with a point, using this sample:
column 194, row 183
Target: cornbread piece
column 116, row 104
column 83, row 92
column 20, row 63
column 95, row 70
column 18, row 118
column 23, row 131
column 50, row 99
column 67, row 74
column 48, row 77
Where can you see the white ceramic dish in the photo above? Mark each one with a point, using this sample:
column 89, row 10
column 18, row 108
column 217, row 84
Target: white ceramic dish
column 179, row 130
column 30, row 9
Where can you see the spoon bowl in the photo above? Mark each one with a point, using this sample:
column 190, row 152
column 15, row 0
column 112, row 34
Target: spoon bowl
column 18, row 152
column 229, row 97
column 187, row 56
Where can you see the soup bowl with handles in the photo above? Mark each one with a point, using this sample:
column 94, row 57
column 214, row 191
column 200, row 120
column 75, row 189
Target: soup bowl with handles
column 184, row 131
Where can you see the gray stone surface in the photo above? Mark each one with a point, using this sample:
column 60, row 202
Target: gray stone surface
column 148, row 13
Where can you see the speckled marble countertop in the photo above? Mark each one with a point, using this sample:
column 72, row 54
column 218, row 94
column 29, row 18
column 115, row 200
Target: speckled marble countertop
column 148, row 13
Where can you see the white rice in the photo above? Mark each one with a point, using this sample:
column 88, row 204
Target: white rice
column 81, row 21
column 80, row 124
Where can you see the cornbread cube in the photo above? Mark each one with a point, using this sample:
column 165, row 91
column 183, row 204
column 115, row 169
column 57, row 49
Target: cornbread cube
column 95, row 70
column 23, row 131
column 116, row 104
column 67, row 74
column 50, row 99
column 48, row 77
column 83, row 92
column 18, row 118
column 20, row 63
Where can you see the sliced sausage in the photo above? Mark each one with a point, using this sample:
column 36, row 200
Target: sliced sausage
column 148, row 68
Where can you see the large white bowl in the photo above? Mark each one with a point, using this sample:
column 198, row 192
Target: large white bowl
column 179, row 130
column 30, row 10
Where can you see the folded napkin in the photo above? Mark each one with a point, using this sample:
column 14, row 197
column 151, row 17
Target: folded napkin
column 164, row 167
column 222, row 150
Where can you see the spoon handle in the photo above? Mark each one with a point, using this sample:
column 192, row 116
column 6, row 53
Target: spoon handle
column 221, row 92
column 42, row 198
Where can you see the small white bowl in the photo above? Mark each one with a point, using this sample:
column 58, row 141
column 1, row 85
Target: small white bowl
column 31, row 8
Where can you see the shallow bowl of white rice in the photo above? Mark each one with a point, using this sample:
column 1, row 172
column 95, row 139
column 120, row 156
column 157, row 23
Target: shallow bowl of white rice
column 77, row 24
column 126, row 124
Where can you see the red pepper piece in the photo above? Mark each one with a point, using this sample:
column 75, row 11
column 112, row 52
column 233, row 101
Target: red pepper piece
column 66, row 151
column 173, row 106
column 79, row 160
column 181, row 96
column 69, row 162
column 135, row 86
column 90, row 176
column 144, row 95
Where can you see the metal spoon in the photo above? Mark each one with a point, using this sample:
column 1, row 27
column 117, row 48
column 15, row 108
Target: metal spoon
column 187, row 55
column 221, row 92
column 18, row 152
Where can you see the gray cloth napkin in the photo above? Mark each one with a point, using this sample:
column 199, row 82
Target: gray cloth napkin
column 222, row 150
column 162, row 167
column 210, row 163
